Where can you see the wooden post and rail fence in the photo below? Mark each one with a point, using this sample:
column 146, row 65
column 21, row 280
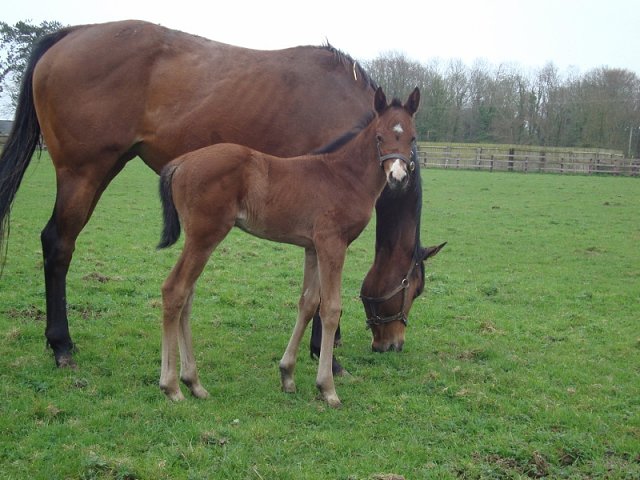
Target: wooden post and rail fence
column 526, row 160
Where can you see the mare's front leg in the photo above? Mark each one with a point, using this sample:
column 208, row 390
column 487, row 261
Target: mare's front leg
column 316, row 340
column 307, row 305
column 330, row 263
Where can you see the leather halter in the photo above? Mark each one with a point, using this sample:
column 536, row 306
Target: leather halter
column 373, row 302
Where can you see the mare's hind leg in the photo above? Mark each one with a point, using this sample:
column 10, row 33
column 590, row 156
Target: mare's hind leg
column 75, row 201
column 307, row 305
column 188, row 370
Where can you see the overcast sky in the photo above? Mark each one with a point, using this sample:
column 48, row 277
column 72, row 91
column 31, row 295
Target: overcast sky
column 570, row 33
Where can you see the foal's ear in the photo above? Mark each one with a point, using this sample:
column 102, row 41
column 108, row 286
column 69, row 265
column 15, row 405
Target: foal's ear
column 431, row 251
column 413, row 102
column 380, row 101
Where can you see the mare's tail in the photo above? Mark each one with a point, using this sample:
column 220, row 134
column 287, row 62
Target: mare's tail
column 23, row 139
column 171, row 221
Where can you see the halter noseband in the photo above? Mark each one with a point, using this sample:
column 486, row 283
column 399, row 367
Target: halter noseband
column 372, row 302
column 410, row 163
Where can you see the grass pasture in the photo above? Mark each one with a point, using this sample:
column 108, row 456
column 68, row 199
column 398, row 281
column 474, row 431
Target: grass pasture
column 522, row 357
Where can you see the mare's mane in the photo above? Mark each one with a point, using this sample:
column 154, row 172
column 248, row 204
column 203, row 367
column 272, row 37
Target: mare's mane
column 350, row 64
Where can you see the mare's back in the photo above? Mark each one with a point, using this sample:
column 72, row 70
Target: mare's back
column 168, row 92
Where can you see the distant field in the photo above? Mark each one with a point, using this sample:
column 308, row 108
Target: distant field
column 522, row 357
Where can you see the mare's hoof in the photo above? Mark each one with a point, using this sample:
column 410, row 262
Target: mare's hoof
column 65, row 360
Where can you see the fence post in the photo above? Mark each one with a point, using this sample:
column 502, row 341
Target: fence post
column 512, row 152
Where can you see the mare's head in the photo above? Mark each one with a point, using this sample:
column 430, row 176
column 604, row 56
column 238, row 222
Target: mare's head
column 396, row 137
column 387, row 315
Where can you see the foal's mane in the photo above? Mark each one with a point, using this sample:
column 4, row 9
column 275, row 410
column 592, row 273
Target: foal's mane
column 349, row 135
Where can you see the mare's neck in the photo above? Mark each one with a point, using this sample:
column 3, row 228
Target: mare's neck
column 397, row 222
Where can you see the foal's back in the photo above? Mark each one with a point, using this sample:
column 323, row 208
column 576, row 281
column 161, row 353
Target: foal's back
column 282, row 199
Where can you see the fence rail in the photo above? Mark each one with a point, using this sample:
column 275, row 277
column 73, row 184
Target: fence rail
column 522, row 160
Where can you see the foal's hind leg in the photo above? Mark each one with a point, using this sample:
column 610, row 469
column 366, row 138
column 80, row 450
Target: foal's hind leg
column 188, row 371
column 307, row 305
column 177, row 293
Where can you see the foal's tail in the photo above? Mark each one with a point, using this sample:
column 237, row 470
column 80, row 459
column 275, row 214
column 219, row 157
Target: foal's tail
column 23, row 139
column 171, row 221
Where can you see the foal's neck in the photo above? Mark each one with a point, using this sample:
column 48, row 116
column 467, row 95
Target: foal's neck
column 359, row 160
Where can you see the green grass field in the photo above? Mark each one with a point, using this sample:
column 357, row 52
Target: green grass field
column 522, row 358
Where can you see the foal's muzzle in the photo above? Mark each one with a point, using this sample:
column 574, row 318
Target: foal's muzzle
column 400, row 170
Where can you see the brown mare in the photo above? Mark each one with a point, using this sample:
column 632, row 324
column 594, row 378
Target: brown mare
column 101, row 95
column 213, row 189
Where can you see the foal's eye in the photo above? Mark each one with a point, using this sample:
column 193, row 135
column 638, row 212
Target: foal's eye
column 379, row 138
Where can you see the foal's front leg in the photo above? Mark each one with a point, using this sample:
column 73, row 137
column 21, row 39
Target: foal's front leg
column 330, row 263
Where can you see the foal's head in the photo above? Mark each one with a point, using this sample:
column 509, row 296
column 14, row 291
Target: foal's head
column 396, row 135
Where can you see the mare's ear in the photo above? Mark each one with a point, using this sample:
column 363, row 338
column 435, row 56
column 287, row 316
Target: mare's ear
column 380, row 101
column 413, row 102
column 431, row 251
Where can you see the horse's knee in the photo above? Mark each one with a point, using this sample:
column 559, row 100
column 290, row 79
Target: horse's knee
column 330, row 315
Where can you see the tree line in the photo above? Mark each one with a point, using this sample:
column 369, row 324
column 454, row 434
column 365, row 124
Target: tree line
column 481, row 103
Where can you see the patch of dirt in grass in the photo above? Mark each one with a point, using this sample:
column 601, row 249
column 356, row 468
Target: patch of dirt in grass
column 536, row 467
column 96, row 277
column 31, row 312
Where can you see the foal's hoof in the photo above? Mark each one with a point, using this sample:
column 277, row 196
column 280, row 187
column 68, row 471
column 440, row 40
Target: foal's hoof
column 199, row 392
column 288, row 385
column 332, row 400
column 173, row 395
column 286, row 380
column 330, row 397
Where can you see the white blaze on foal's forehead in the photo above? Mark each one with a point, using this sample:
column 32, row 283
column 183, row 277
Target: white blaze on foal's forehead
column 398, row 128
